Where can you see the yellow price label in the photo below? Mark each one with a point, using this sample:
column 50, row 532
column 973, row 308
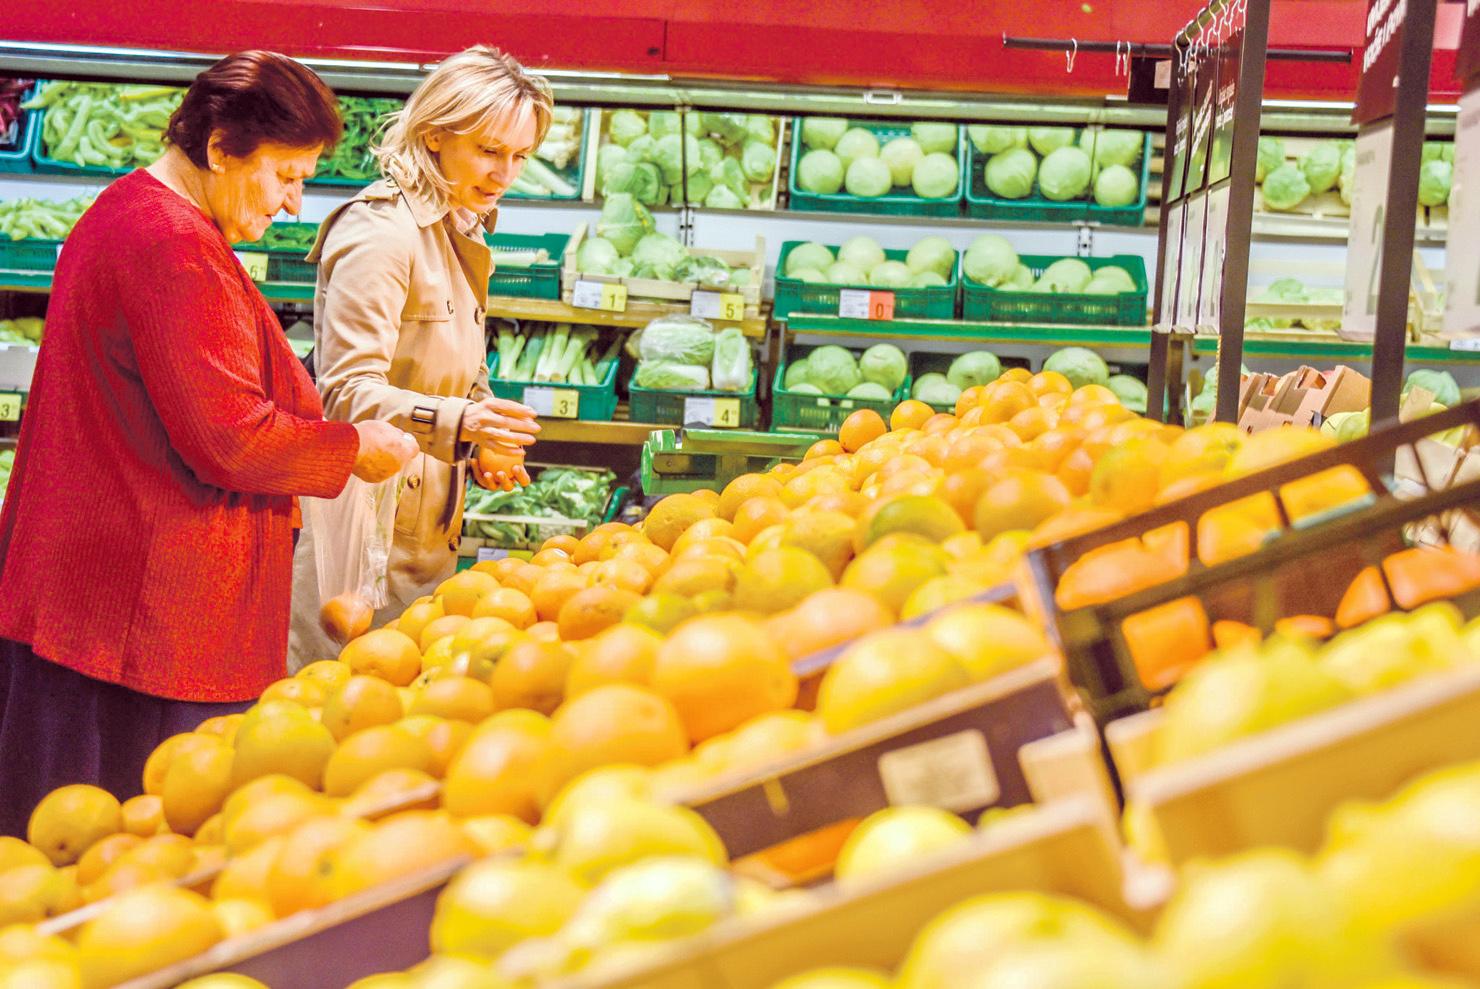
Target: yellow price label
column 255, row 263
column 557, row 403
column 606, row 296
column 718, row 305
column 727, row 412
column 10, row 406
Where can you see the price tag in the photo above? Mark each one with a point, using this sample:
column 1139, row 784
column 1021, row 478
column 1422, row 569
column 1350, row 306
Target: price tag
column 857, row 303
column 723, row 413
column 718, row 305
column 606, row 296
column 488, row 553
column 953, row 772
column 557, row 403
column 255, row 263
column 10, row 406
column 1374, row 151
column 1471, row 344
column 1462, row 254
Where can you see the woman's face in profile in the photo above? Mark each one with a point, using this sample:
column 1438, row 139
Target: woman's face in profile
column 247, row 193
column 483, row 164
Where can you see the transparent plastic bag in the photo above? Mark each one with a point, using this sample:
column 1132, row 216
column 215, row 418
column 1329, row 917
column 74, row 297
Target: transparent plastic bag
column 731, row 367
column 352, row 536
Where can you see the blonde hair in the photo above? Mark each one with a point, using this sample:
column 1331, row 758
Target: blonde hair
column 465, row 94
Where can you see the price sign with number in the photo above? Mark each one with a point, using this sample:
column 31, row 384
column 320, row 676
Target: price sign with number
column 718, row 305
column 857, row 303
column 1374, row 155
column 606, row 296
column 1215, row 243
column 953, row 772
column 10, row 406
column 557, row 403
column 255, row 263
column 723, row 413
column 487, row 553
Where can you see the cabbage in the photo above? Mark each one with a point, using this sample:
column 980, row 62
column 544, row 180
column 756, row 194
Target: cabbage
column 1011, row 173
column 1346, row 426
column 758, row 161
column 927, row 279
column 868, row 178
column 660, row 253
column 703, row 270
column 1117, row 185
column 990, row 139
column 1066, row 275
column 597, row 256
column 891, row 274
column 820, row 172
column 1433, row 182
column 884, row 365
column 739, row 277
column 901, row 155
column 1047, row 140
column 761, row 128
column 677, row 340
column 1285, row 290
column 624, row 221
column 808, row 255
column 728, row 173
column 1082, row 367
column 934, row 136
column 698, row 186
column 796, row 373
column 723, row 197
column 608, row 156
column 807, row 388
column 845, row 273
column 857, row 143
column 861, row 251
column 937, row 176
column 990, row 260
column 1440, row 384
column 661, row 123
column 671, row 376
column 677, row 155
column 727, row 127
column 823, row 133
column 730, row 369
column 1113, row 147
column 1432, row 151
column 1271, row 155
column 1131, row 392
column 934, row 389
column 1064, row 174
column 1020, row 279
column 1284, row 188
column 1115, row 277
column 1321, row 165
column 833, row 369
column 932, row 254
column 709, row 153
column 980, row 367
column 642, row 179
column 626, row 126
column 871, row 392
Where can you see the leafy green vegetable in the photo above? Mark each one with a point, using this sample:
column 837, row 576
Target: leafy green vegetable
column 823, row 133
column 624, row 221
column 1081, row 366
column 885, row 365
column 1131, row 392
column 858, row 142
column 1010, row 174
column 890, row 274
column 1284, row 188
column 1047, row 140
column 730, row 369
column 1434, row 179
column 935, row 389
column 1064, row 174
column 901, row 155
column 556, row 492
column 1440, row 384
column 820, row 172
column 990, row 139
column 671, row 376
column 979, row 367
column 1321, row 165
column 677, row 339
column 808, row 255
column 833, row 370
column 937, row 176
column 1117, row 185
column 1271, row 155
column 990, row 259
column 868, row 178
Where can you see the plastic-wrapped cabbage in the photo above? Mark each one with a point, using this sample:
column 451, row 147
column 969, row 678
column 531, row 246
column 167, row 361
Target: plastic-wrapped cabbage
column 1113, row 147
column 642, row 179
column 901, row 155
column 624, row 221
column 1284, row 188
column 891, row 274
column 1066, row 275
column 796, row 374
column 760, row 127
column 868, row 178
column 858, row 142
column 661, row 123
column 1440, row 384
column 871, row 392
column 671, row 376
column 937, row 176
column 1064, row 174
column 1047, row 140
column 989, row 139
column 932, row 254
column 820, row 172
column 730, row 369
column 1321, row 165
column 808, row 255
column 699, row 184
column 1117, row 185
column 885, row 365
column 701, row 269
column 934, row 389
column 661, row 253
column 723, row 197
column 758, row 161
column 833, row 369
column 1434, row 151
column 739, row 277
column 731, row 128
column 608, row 156
column 990, row 260
column 1010, row 174
column 1271, row 155
column 1433, row 182
column 597, row 256
column 1131, row 392
column 626, row 126
column 934, row 137
column 677, row 340
column 642, row 148
column 863, row 251
column 1081, row 366
column 979, row 367
column 823, row 133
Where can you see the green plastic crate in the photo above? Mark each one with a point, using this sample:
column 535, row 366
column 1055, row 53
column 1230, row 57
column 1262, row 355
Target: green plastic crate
column 286, row 264
column 538, row 281
column 16, row 158
column 981, row 303
column 32, row 255
column 574, row 173
column 594, row 402
column 713, row 458
column 1036, row 209
column 793, row 411
column 795, row 295
column 923, row 363
column 893, row 203
column 667, row 407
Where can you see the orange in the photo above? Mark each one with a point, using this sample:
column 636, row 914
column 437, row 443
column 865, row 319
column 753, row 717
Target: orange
column 288, row 744
column 1201, row 450
column 249, row 825
column 757, row 514
column 824, row 479
column 550, row 557
column 144, row 930
column 532, row 675
column 892, row 568
column 523, row 576
column 1031, row 423
column 1093, row 395
column 745, row 487
column 1021, row 500
column 563, row 542
column 623, row 653
column 616, row 723
column 159, row 760
column 372, row 751
column 1366, row 597
column 778, row 578
column 544, row 632
column 511, row 605
column 968, row 400
column 1050, row 383
column 504, row 768
column 1428, row 573
column 444, row 737
column 671, row 516
column 963, row 488
column 1270, row 447
column 391, row 791
column 1228, row 634
column 297, row 877
column 1128, row 476
column 589, row 611
column 928, row 516
column 846, row 502
column 827, row 535
column 828, row 618
column 143, row 815
column 860, row 428
column 461, row 592
column 688, row 577
column 329, row 672
column 933, row 450
column 245, row 876
column 552, row 591
column 103, row 853
column 198, row 780
column 823, row 448
column 392, row 656
column 1165, row 641
column 708, row 494
column 363, row 702
column 1225, row 535
column 938, row 423
column 1019, row 374
column 307, row 693
column 910, row 414
column 401, row 845
column 719, row 671
column 883, row 674
column 458, row 697
column 441, row 628
column 654, row 559
column 417, row 617
column 627, row 574
column 1113, row 571
column 1005, row 398
column 1323, row 491
column 1072, row 521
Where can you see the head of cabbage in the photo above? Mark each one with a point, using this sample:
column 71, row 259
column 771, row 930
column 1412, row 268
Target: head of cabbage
column 989, row 139
column 1434, row 178
column 1284, row 188
column 857, row 142
column 1117, row 185
column 891, row 274
column 1321, row 165
column 1271, row 155
column 884, row 364
column 820, row 172
column 937, row 176
column 933, row 253
column 978, row 367
column 808, row 255
column 1440, row 384
column 1112, row 147
column 625, row 126
column 901, row 155
column 1047, row 140
column 1131, row 392
column 597, row 256
column 758, row 161
column 863, row 251
column 833, row 370
column 624, row 221
column 1066, row 275
column 1081, row 366
column 868, row 178
column 935, row 390
column 934, row 136
column 1064, row 174
column 677, row 340
column 1010, row 174
column 660, row 254
column 990, row 260
column 823, row 133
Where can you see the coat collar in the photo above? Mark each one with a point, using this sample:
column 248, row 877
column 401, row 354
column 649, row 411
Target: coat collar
column 425, row 209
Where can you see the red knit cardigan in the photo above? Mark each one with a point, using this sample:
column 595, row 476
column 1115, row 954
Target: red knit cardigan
column 146, row 538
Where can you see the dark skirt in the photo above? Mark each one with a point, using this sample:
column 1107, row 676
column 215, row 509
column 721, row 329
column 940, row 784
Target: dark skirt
column 58, row 727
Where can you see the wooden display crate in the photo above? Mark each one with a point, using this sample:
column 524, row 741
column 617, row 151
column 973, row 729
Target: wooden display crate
column 1304, row 397
column 679, row 295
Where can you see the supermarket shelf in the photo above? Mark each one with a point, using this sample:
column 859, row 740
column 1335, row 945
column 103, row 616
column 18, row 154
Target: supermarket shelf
column 25, row 281
column 1298, row 226
column 1323, row 345
column 960, row 330
column 637, row 314
column 618, row 432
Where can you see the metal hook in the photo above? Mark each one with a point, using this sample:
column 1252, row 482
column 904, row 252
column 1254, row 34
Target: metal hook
column 1118, row 57
column 1070, row 55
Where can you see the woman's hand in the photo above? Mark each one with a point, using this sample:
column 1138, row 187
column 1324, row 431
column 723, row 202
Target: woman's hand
column 499, row 422
column 384, row 450
column 500, row 468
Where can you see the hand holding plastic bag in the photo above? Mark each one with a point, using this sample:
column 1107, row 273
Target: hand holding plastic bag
column 352, row 545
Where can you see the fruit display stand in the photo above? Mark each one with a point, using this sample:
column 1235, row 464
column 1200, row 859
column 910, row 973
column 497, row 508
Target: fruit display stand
column 665, row 298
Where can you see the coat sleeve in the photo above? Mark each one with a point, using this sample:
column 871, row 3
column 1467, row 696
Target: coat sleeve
column 197, row 343
column 365, row 279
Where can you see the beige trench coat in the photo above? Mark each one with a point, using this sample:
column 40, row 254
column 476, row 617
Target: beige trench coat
column 398, row 335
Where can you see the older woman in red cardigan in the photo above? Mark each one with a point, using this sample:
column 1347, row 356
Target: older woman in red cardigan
column 146, row 540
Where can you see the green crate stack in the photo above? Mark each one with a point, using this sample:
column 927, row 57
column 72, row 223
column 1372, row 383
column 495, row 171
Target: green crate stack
column 892, row 203
column 798, row 411
column 29, row 255
column 538, row 281
column 795, row 295
column 597, row 403
column 1035, row 208
column 667, row 407
column 985, row 304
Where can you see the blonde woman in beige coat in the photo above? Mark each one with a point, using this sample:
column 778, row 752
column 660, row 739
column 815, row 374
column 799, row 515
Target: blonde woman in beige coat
column 399, row 313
